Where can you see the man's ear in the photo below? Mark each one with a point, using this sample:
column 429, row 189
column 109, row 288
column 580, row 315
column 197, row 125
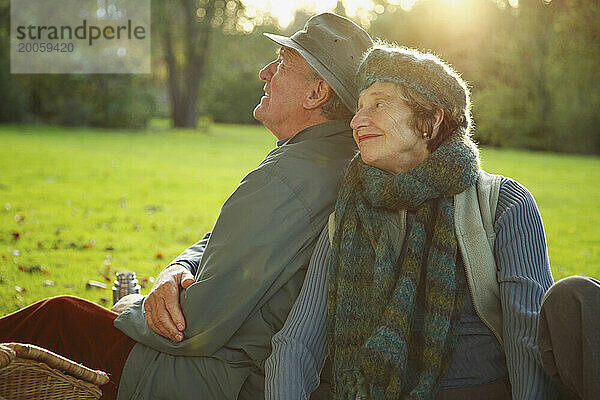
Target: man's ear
column 321, row 92
column 438, row 117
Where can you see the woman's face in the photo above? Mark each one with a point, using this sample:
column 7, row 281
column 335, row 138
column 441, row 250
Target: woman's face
column 382, row 131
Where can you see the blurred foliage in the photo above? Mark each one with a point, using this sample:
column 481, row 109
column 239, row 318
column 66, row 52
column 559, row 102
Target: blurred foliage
column 232, row 88
column 533, row 67
column 110, row 101
column 16, row 108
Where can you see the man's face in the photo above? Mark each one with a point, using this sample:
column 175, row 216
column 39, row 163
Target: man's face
column 288, row 82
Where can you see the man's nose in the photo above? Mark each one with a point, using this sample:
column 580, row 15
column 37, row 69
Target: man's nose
column 267, row 71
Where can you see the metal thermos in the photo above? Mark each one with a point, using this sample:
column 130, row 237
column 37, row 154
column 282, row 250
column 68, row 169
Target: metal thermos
column 125, row 284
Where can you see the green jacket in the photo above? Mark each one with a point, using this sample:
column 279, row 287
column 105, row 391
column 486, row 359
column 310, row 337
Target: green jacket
column 248, row 279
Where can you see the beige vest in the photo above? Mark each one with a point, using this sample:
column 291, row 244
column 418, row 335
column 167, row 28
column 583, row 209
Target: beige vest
column 474, row 211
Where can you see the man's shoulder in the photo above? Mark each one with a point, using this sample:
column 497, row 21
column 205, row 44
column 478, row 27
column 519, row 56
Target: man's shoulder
column 313, row 149
column 309, row 170
column 315, row 160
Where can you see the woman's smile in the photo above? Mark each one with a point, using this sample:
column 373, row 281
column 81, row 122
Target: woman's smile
column 367, row 136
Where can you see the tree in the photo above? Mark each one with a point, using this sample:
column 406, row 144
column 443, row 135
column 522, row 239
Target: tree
column 186, row 29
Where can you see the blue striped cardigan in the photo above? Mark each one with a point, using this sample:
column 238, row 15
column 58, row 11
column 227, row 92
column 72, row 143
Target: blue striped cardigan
column 299, row 349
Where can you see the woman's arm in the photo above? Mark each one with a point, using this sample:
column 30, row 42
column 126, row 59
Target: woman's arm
column 524, row 276
column 299, row 349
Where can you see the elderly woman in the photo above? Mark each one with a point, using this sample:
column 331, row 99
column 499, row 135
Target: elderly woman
column 428, row 281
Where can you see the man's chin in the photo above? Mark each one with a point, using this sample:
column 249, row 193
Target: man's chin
column 256, row 113
column 259, row 113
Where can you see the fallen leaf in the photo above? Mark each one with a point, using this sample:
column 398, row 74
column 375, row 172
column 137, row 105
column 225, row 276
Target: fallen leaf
column 106, row 278
column 16, row 235
column 95, row 284
column 103, row 300
column 19, row 217
column 20, row 289
column 151, row 208
column 159, row 255
column 89, row 244
column 109, row 248
column 33, row 268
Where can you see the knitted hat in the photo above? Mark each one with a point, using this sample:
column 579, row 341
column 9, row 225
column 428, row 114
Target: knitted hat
column 421, row 72
column 332, row 45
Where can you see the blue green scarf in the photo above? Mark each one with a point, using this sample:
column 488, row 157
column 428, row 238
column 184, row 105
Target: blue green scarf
column 375, row 300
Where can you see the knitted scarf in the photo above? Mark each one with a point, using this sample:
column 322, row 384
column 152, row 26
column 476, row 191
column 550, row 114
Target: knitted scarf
column 392, row 324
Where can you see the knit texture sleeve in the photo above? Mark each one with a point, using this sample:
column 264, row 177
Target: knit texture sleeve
column 299, row 348
column 524, row 276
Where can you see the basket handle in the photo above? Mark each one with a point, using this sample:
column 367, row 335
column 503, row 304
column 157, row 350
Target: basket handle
column 32, row 352
column 7, row 355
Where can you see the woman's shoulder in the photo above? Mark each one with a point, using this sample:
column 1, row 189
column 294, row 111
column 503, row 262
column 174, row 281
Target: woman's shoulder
column 513, row 198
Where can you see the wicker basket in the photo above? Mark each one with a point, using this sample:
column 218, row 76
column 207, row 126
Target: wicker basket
column 30, row 372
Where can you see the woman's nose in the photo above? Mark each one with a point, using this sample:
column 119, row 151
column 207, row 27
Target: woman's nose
column 359, row 120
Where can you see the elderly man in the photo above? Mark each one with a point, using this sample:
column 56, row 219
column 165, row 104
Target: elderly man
column 205, row 328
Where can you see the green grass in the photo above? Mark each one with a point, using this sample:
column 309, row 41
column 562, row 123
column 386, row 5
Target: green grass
column 143, row 197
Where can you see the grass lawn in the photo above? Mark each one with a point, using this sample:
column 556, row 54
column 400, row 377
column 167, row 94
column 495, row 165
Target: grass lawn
column 80, row 204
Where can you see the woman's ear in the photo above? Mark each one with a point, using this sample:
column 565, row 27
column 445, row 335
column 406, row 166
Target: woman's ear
column 438, row 117
column 320, row 94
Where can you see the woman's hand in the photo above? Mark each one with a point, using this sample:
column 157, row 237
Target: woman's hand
column 125, row 301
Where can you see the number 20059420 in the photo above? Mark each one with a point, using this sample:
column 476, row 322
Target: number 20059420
column 65, row 47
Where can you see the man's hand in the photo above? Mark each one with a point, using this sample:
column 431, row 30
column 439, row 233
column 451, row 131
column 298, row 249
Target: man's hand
column 163, row 313
column 125, row 302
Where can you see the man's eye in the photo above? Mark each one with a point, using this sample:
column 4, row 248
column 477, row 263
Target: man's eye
column 378, row 104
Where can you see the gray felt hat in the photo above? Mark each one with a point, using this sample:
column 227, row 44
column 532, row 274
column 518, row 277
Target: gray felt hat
column 333, row 46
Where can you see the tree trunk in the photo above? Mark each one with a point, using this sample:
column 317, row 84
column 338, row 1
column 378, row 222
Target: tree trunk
column 184, row 77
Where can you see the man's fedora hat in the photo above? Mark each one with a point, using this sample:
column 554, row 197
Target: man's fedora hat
column 333, row 46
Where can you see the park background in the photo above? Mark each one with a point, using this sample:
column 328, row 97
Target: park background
column 107, row 173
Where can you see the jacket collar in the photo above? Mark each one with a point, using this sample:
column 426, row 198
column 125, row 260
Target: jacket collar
column 324, row 129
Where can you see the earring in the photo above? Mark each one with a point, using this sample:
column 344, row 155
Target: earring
column 425, row 135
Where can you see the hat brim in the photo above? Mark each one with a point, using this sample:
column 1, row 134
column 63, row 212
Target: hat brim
column 338, row 87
